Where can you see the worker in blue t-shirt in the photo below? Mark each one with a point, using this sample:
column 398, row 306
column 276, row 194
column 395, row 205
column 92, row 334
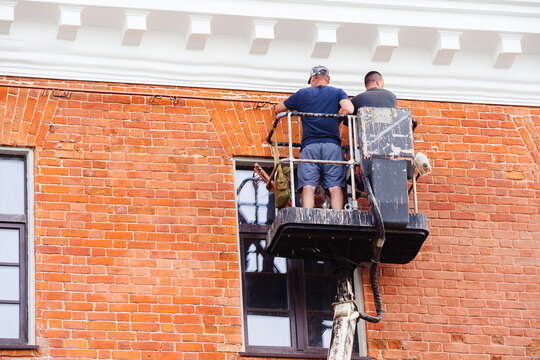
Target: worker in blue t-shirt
column 320, row 136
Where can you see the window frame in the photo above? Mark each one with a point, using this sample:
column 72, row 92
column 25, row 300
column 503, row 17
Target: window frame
column 297, row 306
column 257, row 231
column 296, row 311
column 25, row 225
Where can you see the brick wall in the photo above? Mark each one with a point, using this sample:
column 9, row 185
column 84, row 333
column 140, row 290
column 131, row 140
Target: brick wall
column 136, row 238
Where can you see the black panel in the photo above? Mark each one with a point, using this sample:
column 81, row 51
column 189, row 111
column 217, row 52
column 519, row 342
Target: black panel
column 389, row 181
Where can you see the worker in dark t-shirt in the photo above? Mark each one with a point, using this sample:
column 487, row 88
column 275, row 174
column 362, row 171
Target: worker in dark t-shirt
column 320, row 136
column 375, row 95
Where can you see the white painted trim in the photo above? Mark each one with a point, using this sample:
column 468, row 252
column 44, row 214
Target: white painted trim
column 134, row 27
column 508, row 47
column 69, row 21
column 447, row 45
column 222, row 56
column 404, row 13
column 323, row 39
column 200, row 28
column 7, row 15
column 386, row 41
column 262, row 34
column 30, row 228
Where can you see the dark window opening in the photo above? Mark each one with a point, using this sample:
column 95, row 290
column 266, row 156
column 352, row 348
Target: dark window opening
column 287, row 303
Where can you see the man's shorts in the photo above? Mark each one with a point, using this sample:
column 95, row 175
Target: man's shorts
column 311, row 173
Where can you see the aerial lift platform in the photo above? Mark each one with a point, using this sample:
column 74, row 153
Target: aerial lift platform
column 382, row 162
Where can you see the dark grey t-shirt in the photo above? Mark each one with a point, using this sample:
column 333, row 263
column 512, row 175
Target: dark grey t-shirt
column 374, row 97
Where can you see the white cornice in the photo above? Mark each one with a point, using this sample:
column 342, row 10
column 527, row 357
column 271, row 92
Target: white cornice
column 473, row 15
column 466, row 51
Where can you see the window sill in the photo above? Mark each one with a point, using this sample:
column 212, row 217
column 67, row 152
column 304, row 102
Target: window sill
column 18, row 347
column 297, row 355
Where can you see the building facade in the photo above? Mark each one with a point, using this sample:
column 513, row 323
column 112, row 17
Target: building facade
column 123, row 232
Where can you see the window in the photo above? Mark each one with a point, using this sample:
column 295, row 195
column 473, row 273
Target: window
column 14, row 247
column 287, row 303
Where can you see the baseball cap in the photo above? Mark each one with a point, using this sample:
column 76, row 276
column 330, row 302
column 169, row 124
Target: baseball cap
column 318, row 70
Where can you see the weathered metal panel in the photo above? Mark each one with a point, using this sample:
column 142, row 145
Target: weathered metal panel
column 385, row 132
column 324, row 234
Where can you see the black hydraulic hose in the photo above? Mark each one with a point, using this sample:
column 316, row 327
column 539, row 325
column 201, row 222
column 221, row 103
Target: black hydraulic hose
column 376, row 296
column 377, row 218
column 377, row 248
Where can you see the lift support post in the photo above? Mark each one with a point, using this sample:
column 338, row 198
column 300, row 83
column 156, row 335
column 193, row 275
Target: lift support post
column 345, row 316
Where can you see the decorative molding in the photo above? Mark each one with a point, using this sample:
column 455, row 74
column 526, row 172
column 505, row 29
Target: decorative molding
column 324, row 38
column 385, row 42
column 262, row 35
column 69, row 20
column 200, row 28
column 445, row 48
column 427, row 50
column 7, row 15
column 134, row 27
column 508, row 47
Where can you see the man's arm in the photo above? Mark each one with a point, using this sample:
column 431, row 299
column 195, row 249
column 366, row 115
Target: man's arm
column 347, row 106
column 280, row 107
column 354, row 101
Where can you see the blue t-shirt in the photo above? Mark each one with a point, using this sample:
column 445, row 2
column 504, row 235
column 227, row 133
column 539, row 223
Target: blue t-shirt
column 318, row 99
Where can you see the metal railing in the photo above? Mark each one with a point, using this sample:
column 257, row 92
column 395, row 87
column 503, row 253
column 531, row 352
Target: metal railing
column 353, row 155
column 353, row 150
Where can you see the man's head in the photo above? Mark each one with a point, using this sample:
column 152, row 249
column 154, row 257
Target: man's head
column 319, row 75
column 374, row 79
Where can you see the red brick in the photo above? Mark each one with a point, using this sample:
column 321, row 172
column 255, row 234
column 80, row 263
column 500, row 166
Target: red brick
column 136, row 236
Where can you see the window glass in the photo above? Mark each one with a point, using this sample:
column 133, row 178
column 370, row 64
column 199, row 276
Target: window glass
column 12, row 183
column 269, row 292
column 255, row 203
column 9, row 318
column 319, row 330
column 265, row 277
column 14, row 305
column 257, row 259
column 9, row 283
column 9, row 245
column 269, row 330
column 321, row 289
column 320, row 293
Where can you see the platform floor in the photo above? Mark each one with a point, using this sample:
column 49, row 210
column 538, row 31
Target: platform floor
column 323, row 234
